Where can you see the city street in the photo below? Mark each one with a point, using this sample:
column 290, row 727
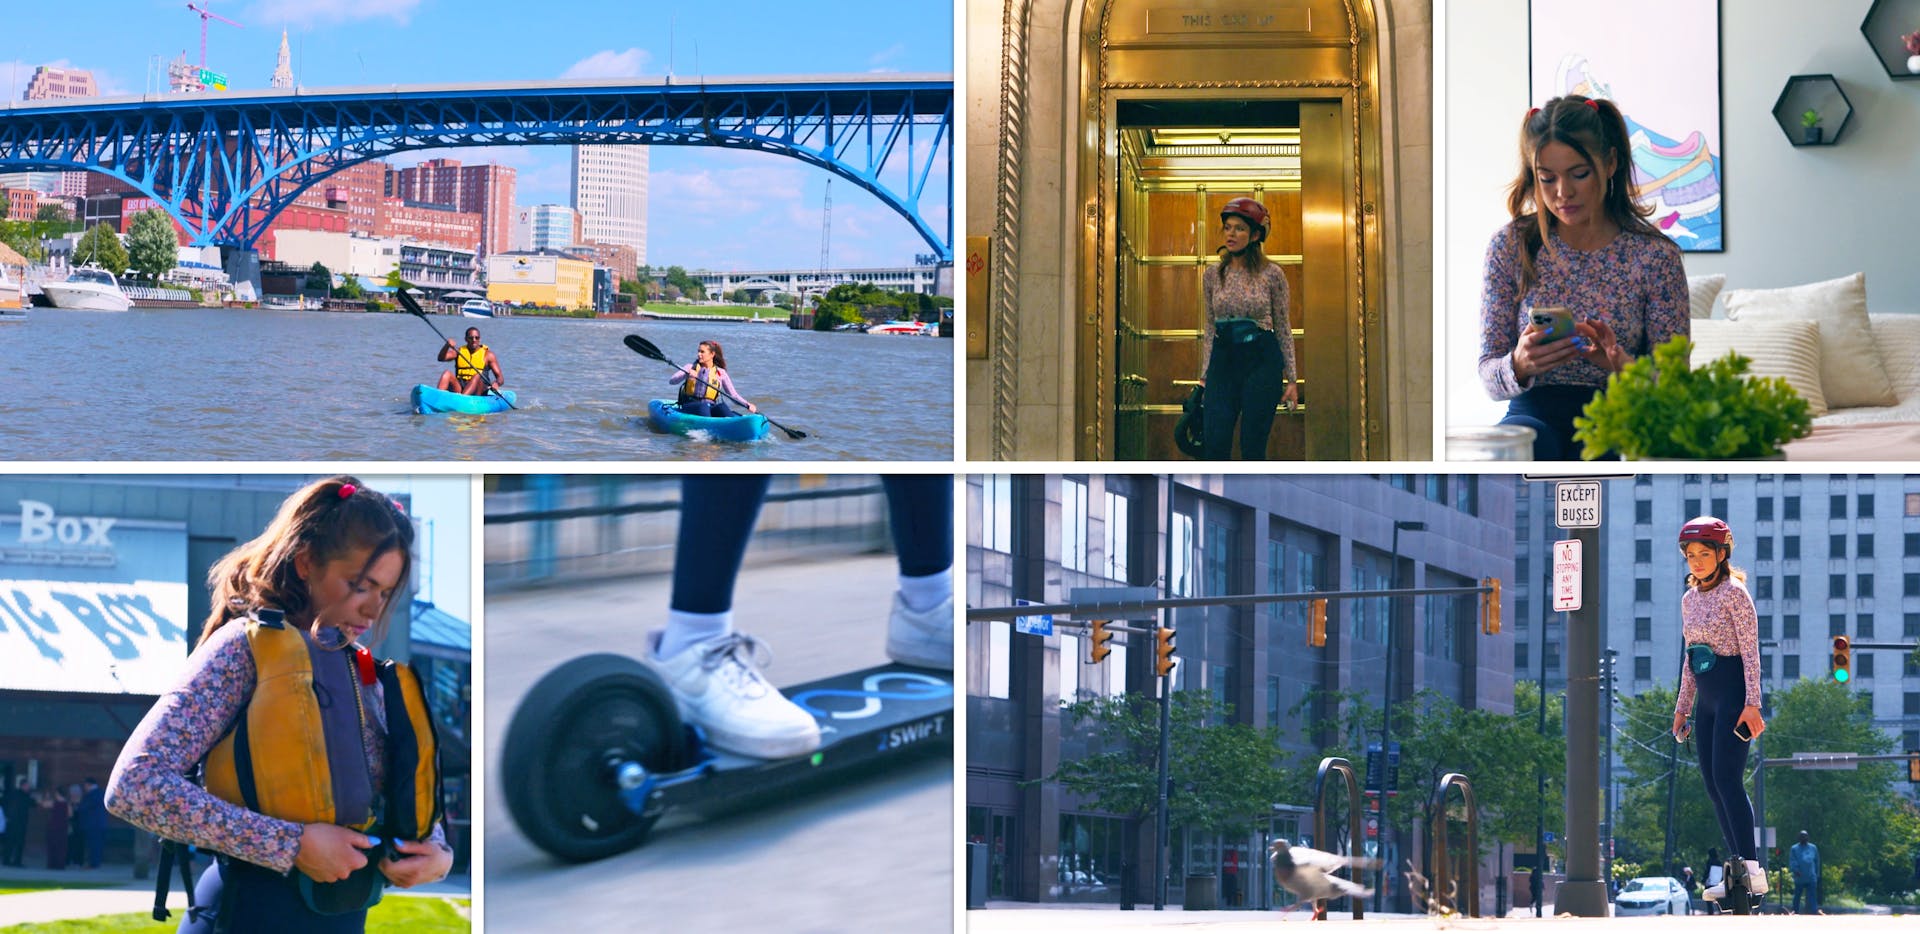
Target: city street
column 874, row 856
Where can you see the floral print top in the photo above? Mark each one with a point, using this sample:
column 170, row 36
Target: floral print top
column 1237, row 293
column 150, row 787
column 1636, row 284
column 1724, row 619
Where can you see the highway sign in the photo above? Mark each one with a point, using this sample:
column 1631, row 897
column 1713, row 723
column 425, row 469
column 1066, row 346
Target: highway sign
column 1566, row 575
column 1576, row 504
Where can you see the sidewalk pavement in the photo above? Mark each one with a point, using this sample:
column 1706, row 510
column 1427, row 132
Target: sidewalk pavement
column 1033, row 919
column 120, row 893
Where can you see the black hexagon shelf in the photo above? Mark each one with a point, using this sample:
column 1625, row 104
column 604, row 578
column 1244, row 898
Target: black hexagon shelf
column 1886, row 23
column 1820, row 94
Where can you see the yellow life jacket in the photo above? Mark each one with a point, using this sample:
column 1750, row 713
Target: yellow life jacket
column 277, row 758
column 694, row 388
column 467, row 362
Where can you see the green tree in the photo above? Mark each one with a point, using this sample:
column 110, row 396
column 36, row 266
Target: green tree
column 689, row 286
column 153, row 249
column 101, row 246
column 1499, row 754
column 319, row 277
column 349, row 288
column 395, row 282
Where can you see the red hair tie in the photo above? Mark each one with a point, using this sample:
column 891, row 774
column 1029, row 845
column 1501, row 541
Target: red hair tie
column 1594, row 104
column 347, row 490
column 1533, row 113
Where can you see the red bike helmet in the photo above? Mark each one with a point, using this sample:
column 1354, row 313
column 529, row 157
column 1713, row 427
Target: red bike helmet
column 1252, row 210
column 1707, row 530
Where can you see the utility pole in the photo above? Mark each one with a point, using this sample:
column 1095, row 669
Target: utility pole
column 1386, row 714
column 1608, row 661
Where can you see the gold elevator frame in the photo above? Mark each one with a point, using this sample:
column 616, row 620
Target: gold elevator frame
column 1314, row 51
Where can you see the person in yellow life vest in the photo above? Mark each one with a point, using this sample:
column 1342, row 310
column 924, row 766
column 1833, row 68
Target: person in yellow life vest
column 475, row 368
column 705, row 386
column 321, row 763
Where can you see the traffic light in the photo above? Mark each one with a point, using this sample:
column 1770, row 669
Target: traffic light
column 1317, row 622
column 1100, row 639
column 1842, row 659
column 1163, row 651
column 1490, row 610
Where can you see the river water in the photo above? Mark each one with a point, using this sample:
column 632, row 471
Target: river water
column 256, row 385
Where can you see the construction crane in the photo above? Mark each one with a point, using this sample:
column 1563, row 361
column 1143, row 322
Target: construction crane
column 206, row 14
column 826, row 227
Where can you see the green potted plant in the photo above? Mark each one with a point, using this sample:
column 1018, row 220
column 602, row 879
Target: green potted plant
column 1810, row 124
column 1660, row 407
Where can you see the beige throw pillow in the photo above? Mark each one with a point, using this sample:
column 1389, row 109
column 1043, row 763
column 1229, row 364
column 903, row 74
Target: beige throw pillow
column 1701, row 291
column 1851, row 373
column 1789, row 349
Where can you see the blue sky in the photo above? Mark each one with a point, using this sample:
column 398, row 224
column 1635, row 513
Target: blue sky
column 708, row 208
column 444, row 507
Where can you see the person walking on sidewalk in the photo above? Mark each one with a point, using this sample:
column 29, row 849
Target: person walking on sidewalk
column 1721, row 670
column 714, row 672
column 1803, row 860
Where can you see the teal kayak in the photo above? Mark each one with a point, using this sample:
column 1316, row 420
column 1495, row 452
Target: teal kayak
column 430, row 401
column 664, row 415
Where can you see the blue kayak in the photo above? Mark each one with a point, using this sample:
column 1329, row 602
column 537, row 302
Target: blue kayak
column 430, row 401
column 665, row 415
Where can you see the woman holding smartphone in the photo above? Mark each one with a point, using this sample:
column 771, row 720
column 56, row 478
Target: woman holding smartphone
column 1720, row 670
column 1578, row 283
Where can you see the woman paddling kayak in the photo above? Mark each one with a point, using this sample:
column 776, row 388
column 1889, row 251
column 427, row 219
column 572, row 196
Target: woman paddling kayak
column 705, row 386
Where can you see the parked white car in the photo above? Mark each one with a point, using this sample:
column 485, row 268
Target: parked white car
column 1652, row 895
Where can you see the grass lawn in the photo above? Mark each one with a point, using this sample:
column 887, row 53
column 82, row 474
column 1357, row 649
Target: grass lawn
column 17, row 886
column 732, row 311
column 395, row 914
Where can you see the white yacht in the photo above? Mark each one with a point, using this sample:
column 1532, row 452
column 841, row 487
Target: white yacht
column 477, row 308
column 88, row 288
column 13, row 295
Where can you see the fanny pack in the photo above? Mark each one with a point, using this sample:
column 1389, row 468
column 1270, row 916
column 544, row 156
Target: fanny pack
column 1700, row 658
column 1237, row 330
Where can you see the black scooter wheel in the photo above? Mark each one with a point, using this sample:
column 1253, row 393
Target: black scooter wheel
column 587, row 713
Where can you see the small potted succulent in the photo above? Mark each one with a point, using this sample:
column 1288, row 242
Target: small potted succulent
column 1659, row 408
column 1912, row 42
column 1810, row 125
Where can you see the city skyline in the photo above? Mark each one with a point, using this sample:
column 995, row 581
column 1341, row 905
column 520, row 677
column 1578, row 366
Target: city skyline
column 699, row 216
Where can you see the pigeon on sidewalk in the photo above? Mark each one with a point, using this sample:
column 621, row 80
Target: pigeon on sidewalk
column 1309, row 873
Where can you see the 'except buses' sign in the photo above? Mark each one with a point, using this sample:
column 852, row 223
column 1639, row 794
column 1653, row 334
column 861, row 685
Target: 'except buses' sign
column 1189, row 20
column 1576, row 504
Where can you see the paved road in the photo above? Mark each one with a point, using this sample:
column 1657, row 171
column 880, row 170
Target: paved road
column 874, row 856
column 1054, row 921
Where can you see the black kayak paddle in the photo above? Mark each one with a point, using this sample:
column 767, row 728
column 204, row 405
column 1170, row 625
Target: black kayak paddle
column 645, row 348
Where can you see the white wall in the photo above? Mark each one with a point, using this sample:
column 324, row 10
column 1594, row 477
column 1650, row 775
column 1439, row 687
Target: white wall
column 1793, row 215
column 303, row 248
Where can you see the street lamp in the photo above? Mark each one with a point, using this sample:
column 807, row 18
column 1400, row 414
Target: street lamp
column 1386, row 712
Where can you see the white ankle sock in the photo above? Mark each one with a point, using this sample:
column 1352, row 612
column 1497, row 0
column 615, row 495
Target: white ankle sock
column 684, row 629
column 921, row 594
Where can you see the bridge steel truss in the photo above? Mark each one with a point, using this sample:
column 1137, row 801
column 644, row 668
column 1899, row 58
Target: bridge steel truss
column 224, row 165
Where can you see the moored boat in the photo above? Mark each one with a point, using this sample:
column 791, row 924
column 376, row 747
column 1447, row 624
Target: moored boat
column 88, row 288
column 476, row 308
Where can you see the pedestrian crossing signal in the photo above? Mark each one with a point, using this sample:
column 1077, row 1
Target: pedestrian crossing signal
column 1490, row 608
column 1100, row 637
column 1163, row 651
column 1842, row 659
column 1317, row 622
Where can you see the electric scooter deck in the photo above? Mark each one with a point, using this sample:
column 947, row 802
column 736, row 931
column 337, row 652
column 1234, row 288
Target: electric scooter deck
column 596, row 753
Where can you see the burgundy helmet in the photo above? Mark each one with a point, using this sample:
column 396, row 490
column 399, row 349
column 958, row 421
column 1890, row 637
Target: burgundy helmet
column 1708, row 531
column 1252, row 210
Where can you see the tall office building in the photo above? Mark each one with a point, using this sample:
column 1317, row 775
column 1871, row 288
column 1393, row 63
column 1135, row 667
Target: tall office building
column 283, row 66
column 486, row 190
column 610, row 192
column 1038, row 538
column 51, row 83
column 548, row 227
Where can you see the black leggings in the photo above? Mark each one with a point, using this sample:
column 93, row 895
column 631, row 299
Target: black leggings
column 256, row 899
column 1719, row 696
column 1245, row 380
column 717, row 513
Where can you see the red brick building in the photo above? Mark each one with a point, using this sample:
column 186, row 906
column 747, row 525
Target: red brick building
column 619, row 257
column 428, row 223
column 486, row 190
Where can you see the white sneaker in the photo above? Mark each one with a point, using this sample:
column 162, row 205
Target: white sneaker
column 1756, row 878
column 719, row 688
column 921, row 639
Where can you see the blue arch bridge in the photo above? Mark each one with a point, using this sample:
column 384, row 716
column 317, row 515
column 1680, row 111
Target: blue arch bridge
column 225, row 164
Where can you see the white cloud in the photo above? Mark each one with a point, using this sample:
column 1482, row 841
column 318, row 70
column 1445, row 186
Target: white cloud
column 311, row 12
column 879, row 60
column 610, row 64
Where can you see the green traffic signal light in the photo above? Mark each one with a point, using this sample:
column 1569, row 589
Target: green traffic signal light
column 1842, row 659
column 1840, row 675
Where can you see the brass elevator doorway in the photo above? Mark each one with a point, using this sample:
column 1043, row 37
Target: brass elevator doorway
column 1180, row 162
column 1183, row 109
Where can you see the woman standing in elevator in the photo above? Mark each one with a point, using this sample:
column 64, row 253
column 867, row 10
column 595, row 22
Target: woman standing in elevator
column 1246, row 356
